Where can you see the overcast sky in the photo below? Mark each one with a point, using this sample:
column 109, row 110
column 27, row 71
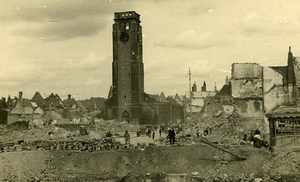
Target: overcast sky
column 65, row 46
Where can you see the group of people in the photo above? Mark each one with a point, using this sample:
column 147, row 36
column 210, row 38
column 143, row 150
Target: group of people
column 151, row 133
column 257, row 142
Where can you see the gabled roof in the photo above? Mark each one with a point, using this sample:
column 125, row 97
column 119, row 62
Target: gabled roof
column 34, row 105
column 26, row 103
column 70, row 102
column 38, row 111
column 20, row 109
column 81, row 106
column 225, row 91
column 39, row 100
column 284, row 111
column 54, row 101
column 162, row 95
column 280, row 69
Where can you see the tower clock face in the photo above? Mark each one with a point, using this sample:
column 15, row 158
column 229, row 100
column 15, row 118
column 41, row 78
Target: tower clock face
column 124, row 37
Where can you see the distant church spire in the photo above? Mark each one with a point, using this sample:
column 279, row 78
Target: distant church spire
column 194, row 88
column 203, row 88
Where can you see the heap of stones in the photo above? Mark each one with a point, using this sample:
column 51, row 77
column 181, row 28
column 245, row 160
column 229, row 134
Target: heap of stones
column 107, row 143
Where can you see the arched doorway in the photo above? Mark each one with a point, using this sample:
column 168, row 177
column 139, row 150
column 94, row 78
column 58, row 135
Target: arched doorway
column 125, row 116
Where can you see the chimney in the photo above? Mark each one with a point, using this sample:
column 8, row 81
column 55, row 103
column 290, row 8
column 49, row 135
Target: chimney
column 20, row 97
column 226, row 80
column 69, row 96
column 215, row 88
column 290, row 54
column 3, row 100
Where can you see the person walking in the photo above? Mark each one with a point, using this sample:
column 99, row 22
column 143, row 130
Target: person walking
column 127, row 137
column 153, row 134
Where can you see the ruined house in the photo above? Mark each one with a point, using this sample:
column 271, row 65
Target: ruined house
column 24, row 110
column 248, row 94
column 73, row 110
column 54, row 103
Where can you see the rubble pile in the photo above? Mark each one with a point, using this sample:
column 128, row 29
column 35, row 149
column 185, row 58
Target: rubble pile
column 9, row 135
column 223, row 124
column 106, row 143
column 97, row 130
column 285, row 162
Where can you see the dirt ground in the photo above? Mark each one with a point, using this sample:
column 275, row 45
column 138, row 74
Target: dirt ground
column 155, row 164
column 194, row 161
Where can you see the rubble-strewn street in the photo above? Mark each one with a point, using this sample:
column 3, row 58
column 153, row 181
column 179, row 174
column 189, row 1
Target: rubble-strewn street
column 199, row 162
column 68, row 156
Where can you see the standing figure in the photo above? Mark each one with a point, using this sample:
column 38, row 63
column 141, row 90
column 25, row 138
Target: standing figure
column 149, row 132
column 257, row 139
column 153, row 134
column 127, row 137
column 171, row 136
column 197, row 133
column 159, row 132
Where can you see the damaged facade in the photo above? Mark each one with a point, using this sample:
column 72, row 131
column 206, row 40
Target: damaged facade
column 248, row 94
column 284, row 112
column 197, row 98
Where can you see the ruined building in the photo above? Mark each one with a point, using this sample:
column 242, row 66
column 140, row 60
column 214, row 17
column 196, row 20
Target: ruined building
column 126, row 99
column 282, row 104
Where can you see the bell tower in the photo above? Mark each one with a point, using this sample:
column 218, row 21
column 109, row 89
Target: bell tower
column 127, row 67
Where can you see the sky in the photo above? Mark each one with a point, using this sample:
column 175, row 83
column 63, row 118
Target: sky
column 65, row 46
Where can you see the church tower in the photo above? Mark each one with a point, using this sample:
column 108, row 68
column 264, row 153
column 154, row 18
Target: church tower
column 127, row 67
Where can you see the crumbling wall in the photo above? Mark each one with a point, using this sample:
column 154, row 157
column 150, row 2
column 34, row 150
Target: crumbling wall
column 247, row 88
column 238, row 115
column 273, row 98
column 246, row 70
column 251, row 112
column 273, row 89
column 249, row 108
column 246, row 80
column 271, row 78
